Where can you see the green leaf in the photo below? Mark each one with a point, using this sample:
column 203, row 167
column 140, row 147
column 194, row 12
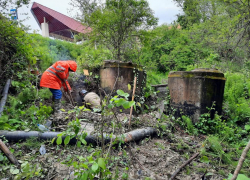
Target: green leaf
column 239, row 177
column 77, row 129
column 85, row 176
column 14, row 171
column 110, row 106
column 59, row 140
column 12, row 121
column 86, row 109
column 25, row 166
column 124, row 176
column 94, row 167
column 83, row 140
column 1, row 157
column 129, row 87
column 78, row 144
column 242, row 177
column 52, row 141
column 122, row 93
column 66, row 140
column 59, row 134
column 128, row 104
column 101, row 163
column 85, row 166
column 204, row 159
column 247, row 127
column 120, row 102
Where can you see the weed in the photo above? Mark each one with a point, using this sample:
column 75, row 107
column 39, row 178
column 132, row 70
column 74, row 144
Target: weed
column 32, row 143
column 188, row 170
column 97, row 162
column 44, row 94
column 201, row 170
column 159, row 145
column 189, row 125
column 221, row 172
column 28, row 171
column 27, row 94
column 215, row 149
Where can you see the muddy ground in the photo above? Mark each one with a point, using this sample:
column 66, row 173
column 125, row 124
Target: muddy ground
column 155, row 157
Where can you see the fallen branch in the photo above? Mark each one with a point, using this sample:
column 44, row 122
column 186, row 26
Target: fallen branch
column 7, row 152
column 242, row 159
column 183, row 165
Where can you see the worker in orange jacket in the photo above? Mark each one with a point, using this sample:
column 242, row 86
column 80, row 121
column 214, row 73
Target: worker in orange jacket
column 55, row 77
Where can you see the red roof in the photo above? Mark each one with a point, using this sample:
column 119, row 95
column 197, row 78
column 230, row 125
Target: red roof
column 58, row 23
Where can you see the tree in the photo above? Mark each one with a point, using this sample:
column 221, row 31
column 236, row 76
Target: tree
column 192, row 13
column 5, row 5
column 239, row 10
column 118, row 24
column 16, row 50
column 221, row 25
column 197, row 11
column 172, row 49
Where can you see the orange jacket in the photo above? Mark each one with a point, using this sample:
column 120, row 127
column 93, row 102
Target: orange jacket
column 56, row 75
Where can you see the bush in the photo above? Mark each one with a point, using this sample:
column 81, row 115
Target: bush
column 91, row 57
column 236, row 97
column 172, row 49
column 189, row 125
column 27, row 94
column 44, row 93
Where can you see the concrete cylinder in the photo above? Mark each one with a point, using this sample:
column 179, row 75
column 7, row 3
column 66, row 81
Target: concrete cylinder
column 121, row 74
column 192, row 92
column 161, row 90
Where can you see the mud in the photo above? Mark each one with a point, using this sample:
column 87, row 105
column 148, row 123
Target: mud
column 155, row 158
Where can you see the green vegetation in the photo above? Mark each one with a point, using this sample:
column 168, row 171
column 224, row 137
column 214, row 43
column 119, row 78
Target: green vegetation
column 118, row 25
column 210, row 34
column 49, row 51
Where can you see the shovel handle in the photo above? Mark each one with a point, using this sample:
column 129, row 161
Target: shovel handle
column 70, row 96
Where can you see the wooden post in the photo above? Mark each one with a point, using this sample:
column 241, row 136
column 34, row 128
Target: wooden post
column 133, row 96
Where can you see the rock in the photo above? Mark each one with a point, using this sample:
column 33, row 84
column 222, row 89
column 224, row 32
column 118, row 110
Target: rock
column 88, row 127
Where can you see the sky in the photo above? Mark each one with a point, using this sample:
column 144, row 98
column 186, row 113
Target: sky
column 165, row 10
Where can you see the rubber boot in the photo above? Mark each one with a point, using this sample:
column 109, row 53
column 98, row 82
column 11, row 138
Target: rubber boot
column 57, row 106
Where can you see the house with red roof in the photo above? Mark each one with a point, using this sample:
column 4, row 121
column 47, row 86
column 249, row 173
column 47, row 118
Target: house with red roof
column 55, row 24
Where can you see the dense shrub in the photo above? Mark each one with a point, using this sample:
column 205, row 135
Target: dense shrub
column 172, row 49
column 236, row 97
column 51, row 50
column 16, row 50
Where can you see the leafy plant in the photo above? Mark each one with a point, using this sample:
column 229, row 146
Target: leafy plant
column 236, row 97
column 116, row 23
column 189, row 125
column 27, row 171
column 120, row 100
column 239, row 177
column 215, row 149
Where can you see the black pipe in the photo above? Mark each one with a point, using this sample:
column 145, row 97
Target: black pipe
column 134, row 135
column 5, row 94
